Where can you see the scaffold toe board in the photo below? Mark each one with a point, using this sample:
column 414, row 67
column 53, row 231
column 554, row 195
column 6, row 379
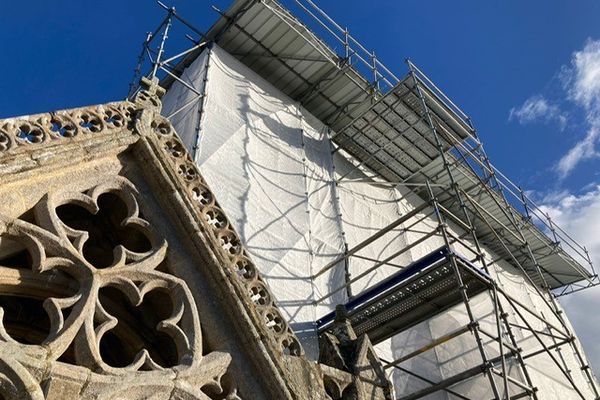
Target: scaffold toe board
column 414, row 294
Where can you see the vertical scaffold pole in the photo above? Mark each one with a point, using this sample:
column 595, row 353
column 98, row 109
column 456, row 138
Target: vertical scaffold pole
column 163, row 39
column 489, row 177
column 196, row 149
column 524, row 203
column 137, row 72
column 339, row 216
column 552, row 305
column 463, row 291
column 497, row 313
column 458, row 196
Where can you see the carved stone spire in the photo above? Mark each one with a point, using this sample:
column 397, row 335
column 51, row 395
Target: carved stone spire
column 341, row 348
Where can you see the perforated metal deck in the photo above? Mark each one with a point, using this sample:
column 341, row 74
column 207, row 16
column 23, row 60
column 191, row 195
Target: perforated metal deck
column 416, row 293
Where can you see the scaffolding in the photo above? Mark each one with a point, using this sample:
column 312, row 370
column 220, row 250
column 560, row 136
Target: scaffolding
column 437, row 282
column 405, row 132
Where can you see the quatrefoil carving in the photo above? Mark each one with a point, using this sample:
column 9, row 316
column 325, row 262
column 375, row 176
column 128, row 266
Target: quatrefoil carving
column 128, row 323
column 99, row 240
column 108, row 230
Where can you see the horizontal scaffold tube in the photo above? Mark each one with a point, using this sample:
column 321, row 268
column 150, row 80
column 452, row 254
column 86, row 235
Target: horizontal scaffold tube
column 371, row 239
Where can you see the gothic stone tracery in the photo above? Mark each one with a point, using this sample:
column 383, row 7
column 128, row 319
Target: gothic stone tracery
column 88, row 303
column 83, row 282
column 90, row 254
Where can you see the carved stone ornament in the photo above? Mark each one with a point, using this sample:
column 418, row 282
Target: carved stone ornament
column 237, row 262
column 92, row 304
column 85, row 247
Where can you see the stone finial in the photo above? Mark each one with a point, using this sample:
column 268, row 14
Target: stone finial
column 341, row 348
column 152, row 86
column 149, row 94
column 342, row 328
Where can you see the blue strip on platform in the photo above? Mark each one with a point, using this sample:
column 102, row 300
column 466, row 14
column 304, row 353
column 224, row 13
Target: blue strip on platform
column 390, row 282
column 472, row 266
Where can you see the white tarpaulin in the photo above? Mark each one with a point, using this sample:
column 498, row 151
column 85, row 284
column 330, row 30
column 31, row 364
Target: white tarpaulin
column 186, row 119
column 270, row 164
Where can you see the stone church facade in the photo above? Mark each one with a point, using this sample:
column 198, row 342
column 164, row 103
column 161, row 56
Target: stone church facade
column 122, row 278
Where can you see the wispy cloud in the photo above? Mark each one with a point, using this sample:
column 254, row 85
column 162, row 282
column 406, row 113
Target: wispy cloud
column 581, row 84
column 579, row 215
column 583, row 150
column 538, row 108
column 581, row 80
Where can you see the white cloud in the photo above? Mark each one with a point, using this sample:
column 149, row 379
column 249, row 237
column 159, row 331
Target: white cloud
column 583, row 150
column 579, row 215
column 583, row 77
column 538, row 108
column 582, row 82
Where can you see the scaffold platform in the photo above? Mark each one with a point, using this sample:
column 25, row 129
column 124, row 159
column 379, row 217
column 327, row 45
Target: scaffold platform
column 414, row 294
column 394, row 138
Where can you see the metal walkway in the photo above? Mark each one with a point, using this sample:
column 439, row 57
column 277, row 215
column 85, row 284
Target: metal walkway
column 416, row 293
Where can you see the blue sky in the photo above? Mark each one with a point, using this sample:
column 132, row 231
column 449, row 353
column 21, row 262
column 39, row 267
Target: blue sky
column 527, row 73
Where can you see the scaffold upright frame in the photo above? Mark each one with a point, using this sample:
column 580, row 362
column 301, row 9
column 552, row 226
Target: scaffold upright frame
column 441, row 184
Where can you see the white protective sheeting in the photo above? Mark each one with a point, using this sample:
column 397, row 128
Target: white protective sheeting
column 183, row 106
column 542, row 368
column 270, row 165
column 268, row 162
column 365, row 209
